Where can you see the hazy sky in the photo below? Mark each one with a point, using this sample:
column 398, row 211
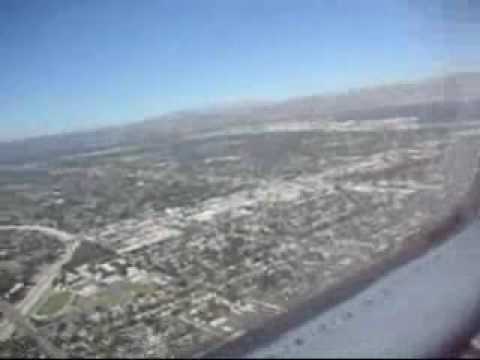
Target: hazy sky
column 72, row 64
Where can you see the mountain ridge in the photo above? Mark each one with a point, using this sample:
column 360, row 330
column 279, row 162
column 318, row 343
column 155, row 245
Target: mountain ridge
column 450, row 97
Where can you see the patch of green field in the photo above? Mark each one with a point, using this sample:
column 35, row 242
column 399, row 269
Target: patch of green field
column 54, row 303
column 108, row 298
column 120, row 293
column 141, row 288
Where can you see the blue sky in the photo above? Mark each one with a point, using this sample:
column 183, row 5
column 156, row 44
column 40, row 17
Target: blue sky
column 68, row 65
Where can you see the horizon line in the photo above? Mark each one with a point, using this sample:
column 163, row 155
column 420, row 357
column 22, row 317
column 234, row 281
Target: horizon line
column 242, row 103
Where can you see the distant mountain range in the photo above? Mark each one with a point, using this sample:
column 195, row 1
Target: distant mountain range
column 454, row 97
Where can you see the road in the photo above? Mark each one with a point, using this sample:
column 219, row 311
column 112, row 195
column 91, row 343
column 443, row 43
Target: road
column 46, row 278
column 414, row 311
column 59, row 234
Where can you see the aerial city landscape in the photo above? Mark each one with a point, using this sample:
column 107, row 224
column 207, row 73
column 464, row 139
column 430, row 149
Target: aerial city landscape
column 170, row 237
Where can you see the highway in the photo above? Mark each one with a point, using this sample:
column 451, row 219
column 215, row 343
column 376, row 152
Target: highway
column 417, row 310
column 46, row 278
column 59, row 234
